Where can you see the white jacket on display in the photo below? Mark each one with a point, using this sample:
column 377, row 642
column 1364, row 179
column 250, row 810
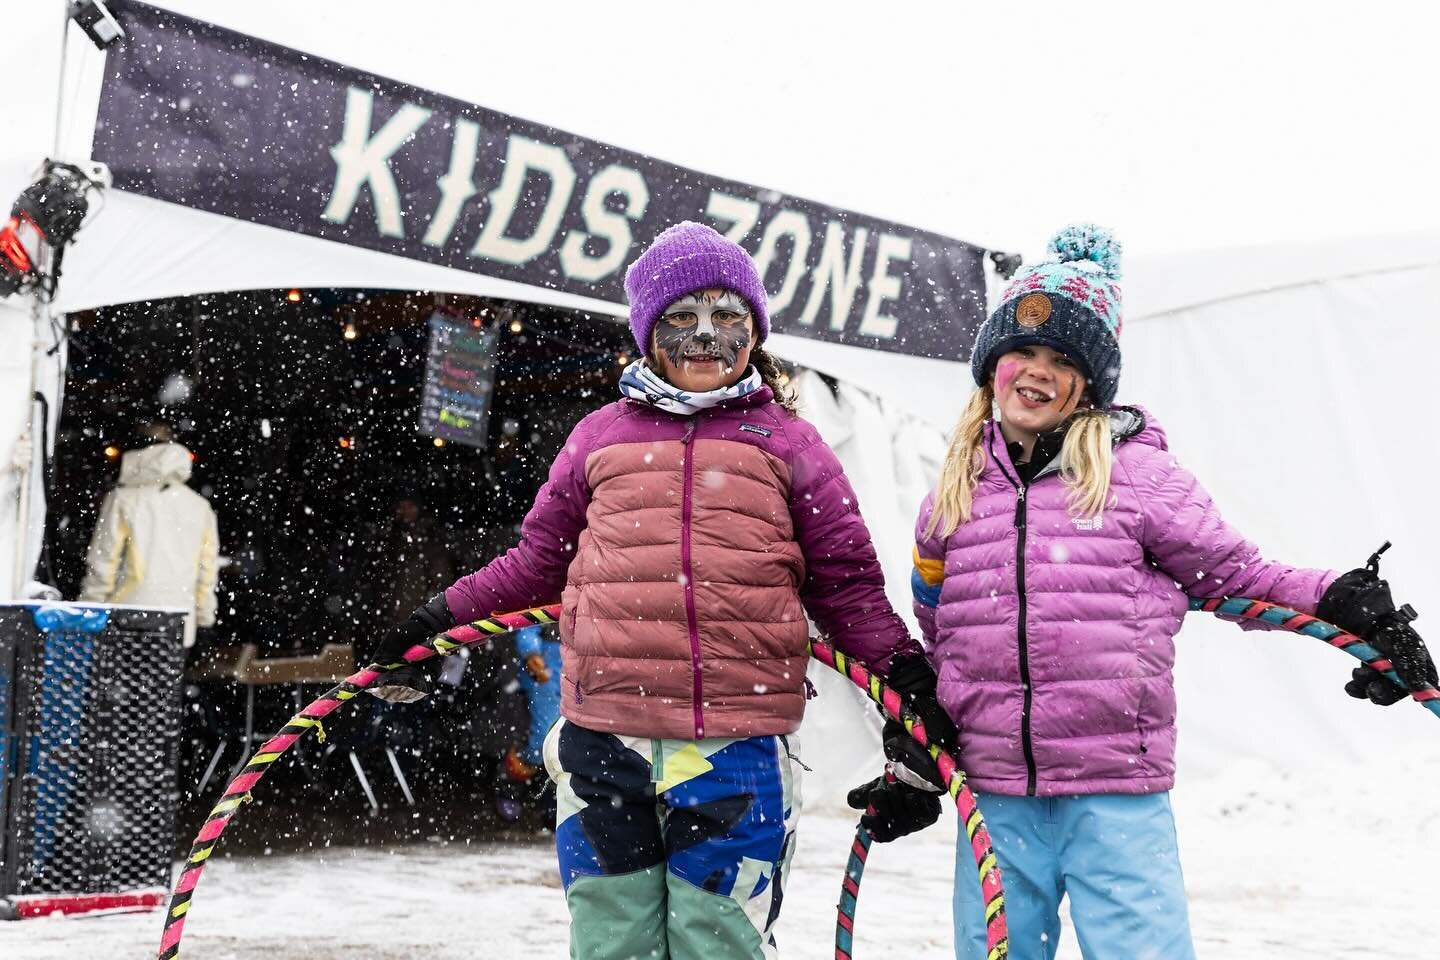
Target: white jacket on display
column 156, row 543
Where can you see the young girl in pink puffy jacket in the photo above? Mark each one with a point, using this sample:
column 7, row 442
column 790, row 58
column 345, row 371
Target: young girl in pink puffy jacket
column 689, row 528
column 1052, row 567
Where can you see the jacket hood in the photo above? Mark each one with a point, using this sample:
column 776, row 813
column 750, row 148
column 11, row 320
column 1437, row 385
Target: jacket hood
column 1134, row 423
column 158, row 465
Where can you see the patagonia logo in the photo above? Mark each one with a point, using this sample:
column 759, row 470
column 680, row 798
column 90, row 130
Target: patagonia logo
column 1089, row 523
column 751, row 428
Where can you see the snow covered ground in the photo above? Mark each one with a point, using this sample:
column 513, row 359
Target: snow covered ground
column 1338, row 861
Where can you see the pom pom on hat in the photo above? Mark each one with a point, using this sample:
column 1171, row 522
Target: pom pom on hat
column 1086, row 241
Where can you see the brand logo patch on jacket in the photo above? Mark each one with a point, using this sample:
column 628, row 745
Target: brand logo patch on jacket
column 751, row 428
column 1089, row 523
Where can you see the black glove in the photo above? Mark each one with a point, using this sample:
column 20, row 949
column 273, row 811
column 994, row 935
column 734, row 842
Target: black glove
column 900, row 809
column 1359, row 602
column 913, row 678
column 910, row 762
column 409, row 683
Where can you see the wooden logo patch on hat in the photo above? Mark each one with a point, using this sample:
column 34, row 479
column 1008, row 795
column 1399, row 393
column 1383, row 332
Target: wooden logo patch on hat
column 1033, row 310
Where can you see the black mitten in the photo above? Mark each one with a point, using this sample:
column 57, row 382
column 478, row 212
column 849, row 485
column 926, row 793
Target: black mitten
column 900, row 809
column 409, row 683
column 911, row 762
column 1360, row 602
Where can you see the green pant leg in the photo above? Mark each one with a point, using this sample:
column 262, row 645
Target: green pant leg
column 709, row 926
column 622, row 916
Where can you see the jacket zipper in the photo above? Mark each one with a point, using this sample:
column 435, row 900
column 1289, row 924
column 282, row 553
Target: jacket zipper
column 1021, row 521
column 686, row 509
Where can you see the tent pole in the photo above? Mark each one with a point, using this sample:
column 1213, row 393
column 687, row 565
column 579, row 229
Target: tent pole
column 20, row 574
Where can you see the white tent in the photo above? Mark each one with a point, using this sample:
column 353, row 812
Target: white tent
column 1280, row 372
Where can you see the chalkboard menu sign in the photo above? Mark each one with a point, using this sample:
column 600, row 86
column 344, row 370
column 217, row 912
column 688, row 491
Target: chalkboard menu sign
column 459, row 375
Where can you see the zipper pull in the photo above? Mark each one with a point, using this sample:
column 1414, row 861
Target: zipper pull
column 690, row 429
column 1019, row 507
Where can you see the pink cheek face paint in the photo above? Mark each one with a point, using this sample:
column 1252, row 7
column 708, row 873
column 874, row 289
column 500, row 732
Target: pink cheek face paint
column 1004, row 375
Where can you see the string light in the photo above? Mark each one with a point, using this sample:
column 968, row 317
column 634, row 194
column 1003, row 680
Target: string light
column 516, row 326
column 622, row 358
column 293, row 296
column 349, row 332
column 346, row 443
column 112, row 452
column 439, row 441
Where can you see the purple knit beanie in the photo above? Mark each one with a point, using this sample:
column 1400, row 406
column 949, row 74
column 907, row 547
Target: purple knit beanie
column 684, row 259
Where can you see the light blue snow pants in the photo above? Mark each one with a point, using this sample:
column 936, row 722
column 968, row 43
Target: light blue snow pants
column 1113, row 855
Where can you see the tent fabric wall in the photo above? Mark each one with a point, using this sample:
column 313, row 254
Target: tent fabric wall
column 1308, row 412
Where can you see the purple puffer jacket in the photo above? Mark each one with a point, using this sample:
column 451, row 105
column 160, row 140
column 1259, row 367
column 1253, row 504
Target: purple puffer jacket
column 1058, row 671
column 689, row 550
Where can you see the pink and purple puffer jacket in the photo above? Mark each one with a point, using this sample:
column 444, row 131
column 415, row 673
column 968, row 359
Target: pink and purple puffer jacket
column 1053, row 635
column 689, row 550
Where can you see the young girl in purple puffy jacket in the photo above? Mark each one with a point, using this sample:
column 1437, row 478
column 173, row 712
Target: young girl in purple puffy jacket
column 1052, row 565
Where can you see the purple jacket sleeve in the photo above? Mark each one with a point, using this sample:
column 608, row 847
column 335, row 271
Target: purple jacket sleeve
column 844, row 588
column 928, row 572
column 1185, row 534
column 533, row 572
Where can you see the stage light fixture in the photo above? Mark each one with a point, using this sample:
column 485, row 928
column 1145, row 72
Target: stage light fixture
column 16, row 261
column 97, row 21
column 48, row 213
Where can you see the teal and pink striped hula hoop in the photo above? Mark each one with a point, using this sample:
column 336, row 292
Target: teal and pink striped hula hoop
column 997, row 936
column 1303, row 623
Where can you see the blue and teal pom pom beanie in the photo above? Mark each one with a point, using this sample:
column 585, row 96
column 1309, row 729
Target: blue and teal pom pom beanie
column 1070, row 302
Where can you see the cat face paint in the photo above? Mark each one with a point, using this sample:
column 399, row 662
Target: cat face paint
column 703, row 340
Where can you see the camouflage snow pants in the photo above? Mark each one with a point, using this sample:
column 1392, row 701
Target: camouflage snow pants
column 672, row 849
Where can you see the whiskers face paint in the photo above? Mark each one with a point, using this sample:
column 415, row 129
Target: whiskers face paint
column 705, row 330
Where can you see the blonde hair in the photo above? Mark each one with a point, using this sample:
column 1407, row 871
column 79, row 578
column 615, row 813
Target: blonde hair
column 1085, row 458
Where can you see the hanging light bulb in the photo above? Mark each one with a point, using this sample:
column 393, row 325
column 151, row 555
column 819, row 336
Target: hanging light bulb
column 350, row 332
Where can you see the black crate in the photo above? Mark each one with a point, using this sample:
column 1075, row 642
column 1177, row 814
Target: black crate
column 93, row 736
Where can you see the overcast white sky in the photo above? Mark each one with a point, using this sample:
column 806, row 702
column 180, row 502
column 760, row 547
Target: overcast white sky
column 1192, row 126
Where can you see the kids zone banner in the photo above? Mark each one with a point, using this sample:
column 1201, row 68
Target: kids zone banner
column 208, row 118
